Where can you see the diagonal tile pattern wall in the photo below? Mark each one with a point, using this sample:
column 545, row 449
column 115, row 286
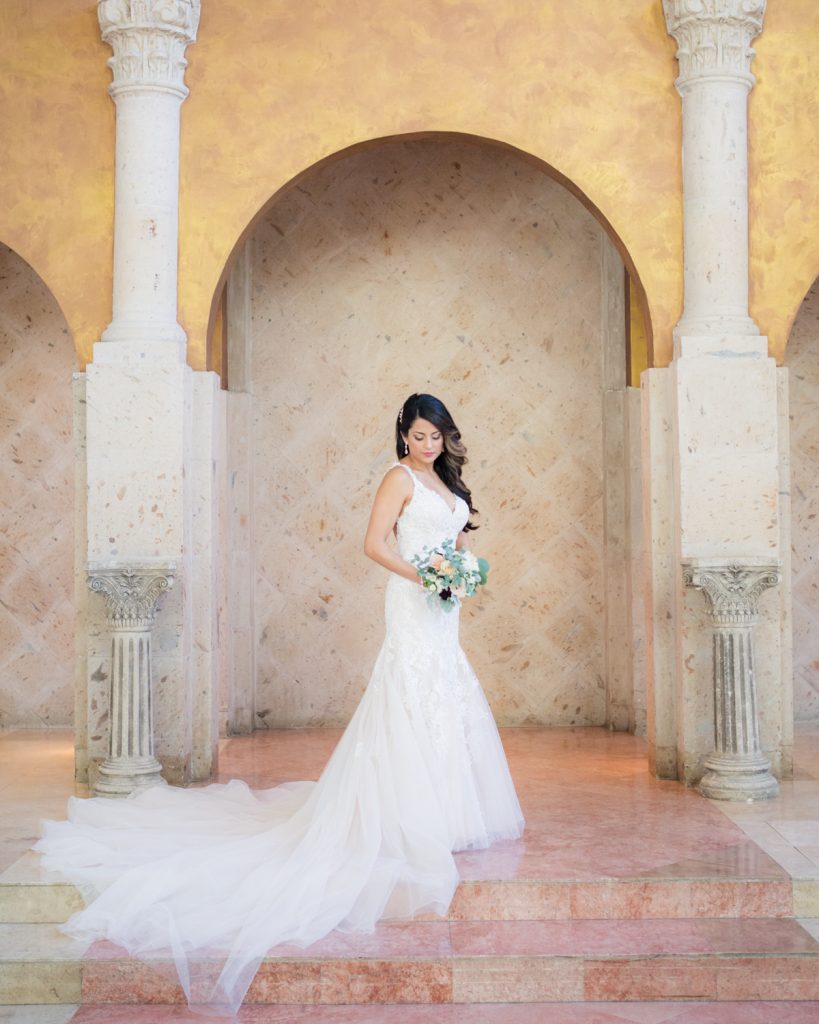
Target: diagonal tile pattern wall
column 802, row 359
column 36, row 502
column 459, row 269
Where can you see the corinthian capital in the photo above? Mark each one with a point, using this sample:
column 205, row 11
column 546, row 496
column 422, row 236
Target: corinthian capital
column 714, row 36
column 732, row 586
column 148, row 38
column 131, row 592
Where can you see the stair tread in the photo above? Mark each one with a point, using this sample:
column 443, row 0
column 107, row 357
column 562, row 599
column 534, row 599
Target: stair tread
column 432, row 940
column 678, row 1012
column 28, row 870
column 38, row 942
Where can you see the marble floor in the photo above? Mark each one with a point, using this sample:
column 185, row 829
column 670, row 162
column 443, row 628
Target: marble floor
column 593, row 815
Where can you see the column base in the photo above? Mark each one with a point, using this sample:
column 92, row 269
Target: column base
column 741, row 778
column 120, row 776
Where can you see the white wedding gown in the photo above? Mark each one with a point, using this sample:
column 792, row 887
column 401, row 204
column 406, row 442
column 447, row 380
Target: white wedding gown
column 227, row 872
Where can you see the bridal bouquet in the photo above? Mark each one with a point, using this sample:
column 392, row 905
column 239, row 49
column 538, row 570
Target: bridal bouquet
column 448, row 575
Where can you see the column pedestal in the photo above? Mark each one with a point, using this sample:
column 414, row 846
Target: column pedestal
column 737, row 770
column 131, row 594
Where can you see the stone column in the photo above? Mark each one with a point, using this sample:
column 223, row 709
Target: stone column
column 131, row 593
column 148, row 38
column 711, row 441
column 737, row 770
column 714, row 39
column 152, row 424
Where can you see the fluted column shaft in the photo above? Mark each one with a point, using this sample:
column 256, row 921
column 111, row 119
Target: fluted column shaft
column 131, row 718
column 131, row 593
column 737, row 731
column 737, row 770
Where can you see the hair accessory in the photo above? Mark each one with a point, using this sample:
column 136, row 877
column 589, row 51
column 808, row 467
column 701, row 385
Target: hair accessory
column 400, row 413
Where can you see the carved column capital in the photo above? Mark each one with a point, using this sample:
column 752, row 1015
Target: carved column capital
column 732, row 587
column 131, row 592
column 148, row 38
column 714, row 37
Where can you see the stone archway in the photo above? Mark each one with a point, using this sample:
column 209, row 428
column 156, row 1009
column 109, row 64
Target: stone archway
column 37, row 359
column 453, row 265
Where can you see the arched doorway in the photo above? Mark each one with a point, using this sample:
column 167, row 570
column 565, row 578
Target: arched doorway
column 37, row 359
column 453, row 265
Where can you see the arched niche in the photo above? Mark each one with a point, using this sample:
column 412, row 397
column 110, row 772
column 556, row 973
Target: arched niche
column 37, row 359
column 454, row 265
column 639, row 324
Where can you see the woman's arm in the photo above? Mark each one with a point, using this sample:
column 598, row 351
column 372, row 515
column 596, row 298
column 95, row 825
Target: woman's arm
column 462, row 541
column 394, row 492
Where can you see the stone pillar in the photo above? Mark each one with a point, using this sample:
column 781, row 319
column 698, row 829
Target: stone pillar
column 131, row 593
column 714, row 39
column 737, row 770
column 711, row 441
column 148, row 38
column 152, row 425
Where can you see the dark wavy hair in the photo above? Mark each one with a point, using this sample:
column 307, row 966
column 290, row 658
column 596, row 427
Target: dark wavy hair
column 452, row 458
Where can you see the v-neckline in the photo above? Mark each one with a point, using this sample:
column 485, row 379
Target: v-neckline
column 433, row 491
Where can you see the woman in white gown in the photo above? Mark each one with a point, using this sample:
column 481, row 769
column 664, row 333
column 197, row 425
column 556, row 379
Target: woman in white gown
column 226, row 872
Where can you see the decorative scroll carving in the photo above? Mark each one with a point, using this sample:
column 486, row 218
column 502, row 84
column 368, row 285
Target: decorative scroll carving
column 131, row 592
column 714, row 36
column 732, row 590
column 148, row 38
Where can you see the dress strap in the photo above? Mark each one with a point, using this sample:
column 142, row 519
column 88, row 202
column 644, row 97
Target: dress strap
column 412, row 475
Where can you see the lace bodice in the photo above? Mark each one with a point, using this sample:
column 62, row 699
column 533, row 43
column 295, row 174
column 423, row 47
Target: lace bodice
column 427, row 519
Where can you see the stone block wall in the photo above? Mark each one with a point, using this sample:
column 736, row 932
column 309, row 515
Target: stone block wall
column 36, row 503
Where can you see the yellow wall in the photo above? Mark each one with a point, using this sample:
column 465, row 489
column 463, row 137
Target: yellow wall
column 57, row 167
column 784, row 183
column 586, row 87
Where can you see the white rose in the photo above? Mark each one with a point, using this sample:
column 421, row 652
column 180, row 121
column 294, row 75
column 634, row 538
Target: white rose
column 470, row 561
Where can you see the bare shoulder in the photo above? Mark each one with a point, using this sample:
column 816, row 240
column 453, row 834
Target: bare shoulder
column 396, row 481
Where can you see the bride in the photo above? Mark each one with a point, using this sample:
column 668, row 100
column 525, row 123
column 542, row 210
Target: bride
column 419, row 772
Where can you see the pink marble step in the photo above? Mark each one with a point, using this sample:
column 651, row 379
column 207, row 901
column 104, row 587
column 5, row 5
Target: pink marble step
column 520, row 962
column 616, row 898
column 749, row 887
column 498, row 1013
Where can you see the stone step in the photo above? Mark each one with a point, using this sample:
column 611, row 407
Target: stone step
column 450, row 962
column 30, row 895
column 41, row 1013
column 38, row 964
column 497, row 1013
column 617, row 898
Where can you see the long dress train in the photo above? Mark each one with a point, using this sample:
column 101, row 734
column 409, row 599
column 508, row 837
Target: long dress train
column 224, row 870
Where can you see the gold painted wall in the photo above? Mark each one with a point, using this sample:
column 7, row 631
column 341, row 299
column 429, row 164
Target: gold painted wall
column 275, row 87
column 57, row 170
column 784, row 184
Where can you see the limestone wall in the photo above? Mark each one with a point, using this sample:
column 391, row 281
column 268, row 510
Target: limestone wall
column 803, row 364
column 36, row 502
column 461, row 270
